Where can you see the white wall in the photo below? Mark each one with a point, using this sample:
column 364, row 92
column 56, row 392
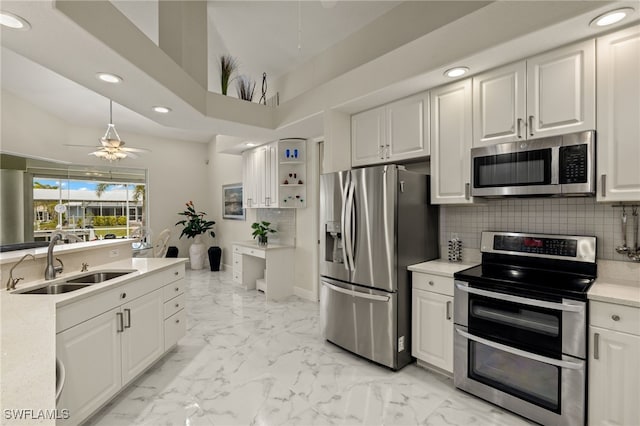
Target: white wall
column 177, row 170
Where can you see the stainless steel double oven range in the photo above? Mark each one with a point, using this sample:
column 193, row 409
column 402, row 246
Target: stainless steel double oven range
column 521, row 325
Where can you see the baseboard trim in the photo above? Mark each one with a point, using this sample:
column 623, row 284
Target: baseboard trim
column 304, row 294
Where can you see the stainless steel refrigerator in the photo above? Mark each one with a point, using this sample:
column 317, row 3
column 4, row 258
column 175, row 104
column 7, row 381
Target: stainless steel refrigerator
column 375, row 222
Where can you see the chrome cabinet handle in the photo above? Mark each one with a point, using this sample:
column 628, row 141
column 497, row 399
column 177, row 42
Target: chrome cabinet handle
column 127, row 311
column 176, row 273
column 615, row 317
column 519, row 126
column 603, row 185
column 596, row 344
column 381, row 152
column 177, row 305
column 177, row 321
column 531, row 125
column 431, row 283
column 177, row 288
column 387, row 150
column 467, row 191
column 120, row 322
column 449, row 310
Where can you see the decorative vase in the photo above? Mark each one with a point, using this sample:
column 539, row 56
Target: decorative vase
column 197, row 253
column 262, row 240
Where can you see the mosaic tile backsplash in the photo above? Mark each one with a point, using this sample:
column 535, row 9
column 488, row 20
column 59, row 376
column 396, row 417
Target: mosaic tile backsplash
column 570, row 216
column 283, row 221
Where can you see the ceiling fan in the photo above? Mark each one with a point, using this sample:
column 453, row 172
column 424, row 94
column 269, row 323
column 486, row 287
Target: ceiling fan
column 111, row 147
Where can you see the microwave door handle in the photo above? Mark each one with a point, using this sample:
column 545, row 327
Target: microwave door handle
column 524, row 354
column 555, row 165
column 521, row 300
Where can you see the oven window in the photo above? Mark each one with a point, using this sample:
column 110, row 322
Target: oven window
column 514, row 169
column 530, row 328
column 527, row 379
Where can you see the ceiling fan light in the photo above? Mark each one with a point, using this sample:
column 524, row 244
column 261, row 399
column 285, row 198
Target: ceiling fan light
column 611, row 17
column 12, row 21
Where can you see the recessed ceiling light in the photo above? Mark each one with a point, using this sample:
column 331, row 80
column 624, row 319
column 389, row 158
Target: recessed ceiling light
column 611, row 17
column 250, row 144
column 162, row 109
column 108, row 77
column 456, row 72
column 13, row 21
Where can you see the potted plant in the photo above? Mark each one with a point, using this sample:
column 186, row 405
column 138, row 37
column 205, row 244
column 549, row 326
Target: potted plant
column 228, row 65
column 261, row 230
column 194, row 226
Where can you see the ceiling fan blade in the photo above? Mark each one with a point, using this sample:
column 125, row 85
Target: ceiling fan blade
column 132, row 149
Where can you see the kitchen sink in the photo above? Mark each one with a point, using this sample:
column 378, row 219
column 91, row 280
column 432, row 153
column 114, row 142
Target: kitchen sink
column 99, row 276
column 55, row 288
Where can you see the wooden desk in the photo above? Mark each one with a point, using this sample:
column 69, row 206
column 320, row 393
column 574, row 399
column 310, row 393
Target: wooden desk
column 274, row 262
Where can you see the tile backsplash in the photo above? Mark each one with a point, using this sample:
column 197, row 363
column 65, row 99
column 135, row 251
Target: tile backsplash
column 283, row 221
column 570, row 216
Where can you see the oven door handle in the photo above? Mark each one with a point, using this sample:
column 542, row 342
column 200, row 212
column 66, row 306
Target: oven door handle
column 522, row 300
column 524, row 354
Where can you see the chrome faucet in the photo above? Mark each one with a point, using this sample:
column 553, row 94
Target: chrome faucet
column 11, row 282
column 51, row 270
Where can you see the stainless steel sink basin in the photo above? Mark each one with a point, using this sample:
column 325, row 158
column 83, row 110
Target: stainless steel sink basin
column 99, row 276
column 55, row 288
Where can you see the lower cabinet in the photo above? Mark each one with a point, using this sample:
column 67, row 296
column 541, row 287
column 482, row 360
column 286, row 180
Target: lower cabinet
column 614, row 376
column 102, row 353
column 432, row 320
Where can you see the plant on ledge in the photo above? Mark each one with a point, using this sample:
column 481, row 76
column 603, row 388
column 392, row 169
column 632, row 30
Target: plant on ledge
column 194, row 224
column 261, row 230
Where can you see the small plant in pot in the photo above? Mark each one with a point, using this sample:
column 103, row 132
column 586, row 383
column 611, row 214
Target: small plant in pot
column 194, row 225
column 261, row 230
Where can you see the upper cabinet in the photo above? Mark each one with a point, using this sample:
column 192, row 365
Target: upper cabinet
column 618, row 137
column 546, row 95
column 395, row 132
column 451, row 143
column 274, row 175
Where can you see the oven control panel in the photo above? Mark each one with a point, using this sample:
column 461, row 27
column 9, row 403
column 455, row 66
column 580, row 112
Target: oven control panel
column 536, row 245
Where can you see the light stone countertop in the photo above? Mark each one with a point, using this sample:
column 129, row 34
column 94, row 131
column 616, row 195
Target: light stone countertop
column 28, row 336
column 617, row 282
column 254, row 245
column 60, row 249
column 440, row 267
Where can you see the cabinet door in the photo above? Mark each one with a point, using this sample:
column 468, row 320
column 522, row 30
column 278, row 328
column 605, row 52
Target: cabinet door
column 247, row 179
column 614, row 378
column 451, row 143
column 90, row 352
column 499, row 104
column 618, row 116
column 368, row 137
column 561, row 91
column 260, row 175
column 407, row 131
column 432, row 329
column 271, row 175
column 143, row 336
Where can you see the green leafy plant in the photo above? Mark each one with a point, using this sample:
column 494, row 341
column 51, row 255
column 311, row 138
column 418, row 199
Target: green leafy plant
column 228, row 65
column 194, row 224
column 261, row 229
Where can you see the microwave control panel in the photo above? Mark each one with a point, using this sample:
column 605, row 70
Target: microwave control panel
column 573, row 164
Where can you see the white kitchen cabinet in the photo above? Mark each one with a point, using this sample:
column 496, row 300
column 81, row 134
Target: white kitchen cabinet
column 451, row 139
column 614, row 377
column 91, row 355
column 368, row 137
column 432, row 320
column 546, row 95
column 273, row 179
column 397, row 131
column 143, row 336
column 618, row 139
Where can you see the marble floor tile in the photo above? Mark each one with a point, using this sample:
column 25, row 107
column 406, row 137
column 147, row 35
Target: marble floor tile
column 245, row 361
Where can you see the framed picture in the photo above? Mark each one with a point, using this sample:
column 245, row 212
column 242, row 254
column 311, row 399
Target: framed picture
column 232, row 201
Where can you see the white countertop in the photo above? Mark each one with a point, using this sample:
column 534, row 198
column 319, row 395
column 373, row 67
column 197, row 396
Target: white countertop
column 440, row 267
column 14, row 256
column 28, row 334
column 254, row 245
column 621, row 292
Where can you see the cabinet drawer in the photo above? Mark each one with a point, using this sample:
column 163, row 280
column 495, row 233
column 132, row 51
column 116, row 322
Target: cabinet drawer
column 254, row 252
column 434, row 283
column 237, row 277
column 175, row 327
column 616, row 317
column 237, row 262
column 238, row 249
column 174, row 305
column 174, row 289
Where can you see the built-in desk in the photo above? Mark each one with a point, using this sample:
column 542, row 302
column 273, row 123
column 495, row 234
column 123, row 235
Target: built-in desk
column 273, row 263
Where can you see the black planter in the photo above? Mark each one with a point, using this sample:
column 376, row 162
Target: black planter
column 215, row 253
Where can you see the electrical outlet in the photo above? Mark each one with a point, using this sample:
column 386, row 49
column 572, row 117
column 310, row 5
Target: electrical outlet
column 114, row 252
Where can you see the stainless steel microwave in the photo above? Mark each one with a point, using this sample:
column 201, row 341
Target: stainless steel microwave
column 553, row 166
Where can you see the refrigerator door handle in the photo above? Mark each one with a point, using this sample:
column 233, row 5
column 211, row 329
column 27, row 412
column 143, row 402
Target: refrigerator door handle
column 344, row 193
column 356, row 293
column 348, row 218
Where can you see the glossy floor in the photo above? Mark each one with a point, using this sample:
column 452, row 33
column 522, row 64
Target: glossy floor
column 245, row 361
